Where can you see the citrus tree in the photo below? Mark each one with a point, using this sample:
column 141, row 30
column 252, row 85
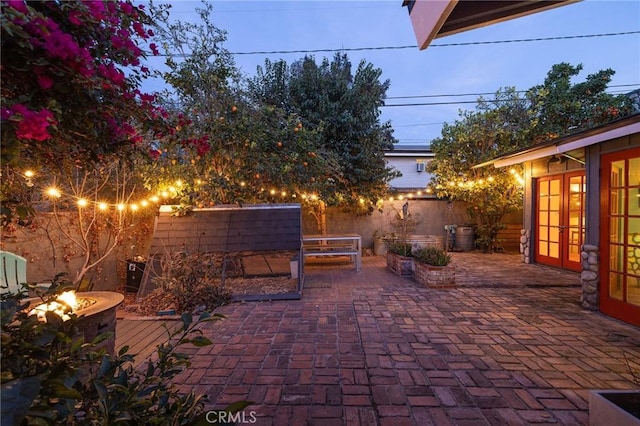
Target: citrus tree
column 508, row 122
column 243, row 141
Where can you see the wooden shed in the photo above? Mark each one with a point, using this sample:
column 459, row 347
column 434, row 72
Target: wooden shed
column 264, row 241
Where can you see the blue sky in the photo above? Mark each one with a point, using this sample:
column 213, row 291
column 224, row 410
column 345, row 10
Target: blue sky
column 439, row 70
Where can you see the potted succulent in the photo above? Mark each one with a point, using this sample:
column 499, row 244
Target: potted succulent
column 399, row 258
column 432, row 268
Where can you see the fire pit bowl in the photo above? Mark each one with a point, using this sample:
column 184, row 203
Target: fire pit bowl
column 96, row 315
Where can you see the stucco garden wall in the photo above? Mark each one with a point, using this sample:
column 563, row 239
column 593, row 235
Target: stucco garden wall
column 37, row 244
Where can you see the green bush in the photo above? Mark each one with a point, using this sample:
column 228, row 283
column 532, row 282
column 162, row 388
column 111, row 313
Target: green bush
column 51, row 376
column 433, row 256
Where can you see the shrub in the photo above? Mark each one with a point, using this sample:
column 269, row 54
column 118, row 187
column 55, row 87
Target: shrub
column 51, row 376
column 194, row 280
column 433, row 256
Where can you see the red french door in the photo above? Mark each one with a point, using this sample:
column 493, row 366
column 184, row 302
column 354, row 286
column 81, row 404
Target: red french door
column 560, row 220
column 620, row 235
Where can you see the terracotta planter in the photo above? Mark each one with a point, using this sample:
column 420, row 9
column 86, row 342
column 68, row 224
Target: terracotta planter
column 614, row 407
column 400, row 265
column 434, row 276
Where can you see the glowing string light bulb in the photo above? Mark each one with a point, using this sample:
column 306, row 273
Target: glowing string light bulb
column 54, row 192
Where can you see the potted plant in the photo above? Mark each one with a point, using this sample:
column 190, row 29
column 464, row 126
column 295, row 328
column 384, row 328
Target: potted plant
column 399, row 258
column 432, row 268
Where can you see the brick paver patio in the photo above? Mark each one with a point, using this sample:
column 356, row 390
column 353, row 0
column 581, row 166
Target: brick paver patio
column 509, row 346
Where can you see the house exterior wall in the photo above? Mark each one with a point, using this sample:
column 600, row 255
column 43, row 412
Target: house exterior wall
column 533, row 170
column 593, row 265
column 411, row 178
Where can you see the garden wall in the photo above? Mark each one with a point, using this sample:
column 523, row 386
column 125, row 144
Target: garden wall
column 430, row 215
column 36, row 243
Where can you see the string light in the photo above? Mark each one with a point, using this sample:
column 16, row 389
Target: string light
column 82, row 202
column 53, row 192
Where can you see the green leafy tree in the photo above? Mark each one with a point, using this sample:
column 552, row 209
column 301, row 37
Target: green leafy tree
column 344, row 108
column 563, row 107
column 496, row 127
column 225, row 148
column 509, row 122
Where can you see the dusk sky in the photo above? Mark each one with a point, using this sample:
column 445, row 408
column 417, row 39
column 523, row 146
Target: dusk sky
column 445, row 68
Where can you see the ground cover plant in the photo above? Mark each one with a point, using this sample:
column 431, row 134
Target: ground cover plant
column 50, row 375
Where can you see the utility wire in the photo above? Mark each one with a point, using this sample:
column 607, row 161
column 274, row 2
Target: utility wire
column 471, row 43
column 360, row 49
column 468, row 102
column 483, row 93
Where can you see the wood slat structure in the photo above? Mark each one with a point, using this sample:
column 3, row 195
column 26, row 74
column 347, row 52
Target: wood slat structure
column 252, row 229
column 142, row 336
column 509, row 238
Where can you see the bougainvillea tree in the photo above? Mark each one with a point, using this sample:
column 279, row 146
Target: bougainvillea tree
column 71, row 108
column 71, row 72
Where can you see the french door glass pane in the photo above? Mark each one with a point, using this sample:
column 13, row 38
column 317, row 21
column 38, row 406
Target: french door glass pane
column 617, row 174
column 615, row 285
column 634, row 201
column 634, row 171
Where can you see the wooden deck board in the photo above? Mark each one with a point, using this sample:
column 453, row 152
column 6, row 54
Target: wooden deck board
column 142, row 336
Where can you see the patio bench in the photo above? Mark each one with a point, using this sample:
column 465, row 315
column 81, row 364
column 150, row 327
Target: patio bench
column 333, row 245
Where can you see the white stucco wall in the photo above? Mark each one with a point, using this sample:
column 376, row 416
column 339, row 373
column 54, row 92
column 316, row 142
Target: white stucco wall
column 410, row 178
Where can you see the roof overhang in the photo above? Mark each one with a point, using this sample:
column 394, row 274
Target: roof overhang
column 438, row 18
column 617, row 129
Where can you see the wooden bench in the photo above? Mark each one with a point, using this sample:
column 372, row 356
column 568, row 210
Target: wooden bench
column 334, row 245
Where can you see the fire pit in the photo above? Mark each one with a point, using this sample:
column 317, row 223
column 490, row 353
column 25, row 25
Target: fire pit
column 96, row 312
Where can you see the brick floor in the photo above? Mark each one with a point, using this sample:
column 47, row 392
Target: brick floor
column 509, row 345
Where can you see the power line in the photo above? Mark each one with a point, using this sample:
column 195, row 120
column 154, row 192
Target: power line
column 360, row 49
column 452, row 102
column 488, row 93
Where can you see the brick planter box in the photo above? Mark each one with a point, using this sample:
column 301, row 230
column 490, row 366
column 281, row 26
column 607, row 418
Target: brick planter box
column 400, row 265
column 434, row 276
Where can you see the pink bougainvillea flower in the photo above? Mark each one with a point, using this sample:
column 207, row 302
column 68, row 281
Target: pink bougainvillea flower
column 96, row 8
column 34, row 125
column 45, row 81
column 75, row 17
column 18, row 5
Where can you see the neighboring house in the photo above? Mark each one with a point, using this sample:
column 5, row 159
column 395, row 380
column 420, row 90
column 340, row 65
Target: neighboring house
column 411, row 161
column 582, row 191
